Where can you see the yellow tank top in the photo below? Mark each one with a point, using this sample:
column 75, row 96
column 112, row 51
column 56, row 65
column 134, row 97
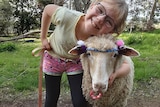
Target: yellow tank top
column 63, row 38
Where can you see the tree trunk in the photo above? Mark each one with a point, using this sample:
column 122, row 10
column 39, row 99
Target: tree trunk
column 150, row 21
column 26, row 35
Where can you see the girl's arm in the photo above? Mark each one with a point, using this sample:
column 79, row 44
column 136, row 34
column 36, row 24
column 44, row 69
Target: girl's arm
column 121, row 72
column 45, row 24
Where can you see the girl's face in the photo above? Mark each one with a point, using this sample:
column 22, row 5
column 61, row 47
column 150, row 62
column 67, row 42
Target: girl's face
column 99, row 19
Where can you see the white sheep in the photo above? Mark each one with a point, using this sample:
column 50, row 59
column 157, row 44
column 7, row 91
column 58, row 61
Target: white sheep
column 101, row 56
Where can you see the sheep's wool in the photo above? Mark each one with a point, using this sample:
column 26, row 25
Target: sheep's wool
column 117, row 94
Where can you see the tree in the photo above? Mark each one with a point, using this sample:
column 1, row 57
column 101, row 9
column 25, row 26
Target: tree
column 6, row 14
column 143, row 14
column 150, row 21
column 81, row 5
column 26, row 15
column 42, row 3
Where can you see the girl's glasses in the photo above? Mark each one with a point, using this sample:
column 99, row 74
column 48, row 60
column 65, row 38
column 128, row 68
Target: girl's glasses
column 102, row 11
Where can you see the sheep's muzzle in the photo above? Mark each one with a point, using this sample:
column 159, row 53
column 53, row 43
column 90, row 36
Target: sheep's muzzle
column 95, row 95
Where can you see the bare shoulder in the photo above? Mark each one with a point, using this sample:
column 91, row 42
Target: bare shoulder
column 50, row 9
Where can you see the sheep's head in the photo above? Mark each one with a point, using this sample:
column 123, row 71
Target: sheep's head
column 100, row 53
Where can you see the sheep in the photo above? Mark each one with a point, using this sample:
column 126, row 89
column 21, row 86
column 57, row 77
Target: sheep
column 101, row 56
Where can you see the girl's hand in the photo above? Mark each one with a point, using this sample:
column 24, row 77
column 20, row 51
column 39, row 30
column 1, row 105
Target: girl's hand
column 112, row 78
column 119, row 73
column 46, row 44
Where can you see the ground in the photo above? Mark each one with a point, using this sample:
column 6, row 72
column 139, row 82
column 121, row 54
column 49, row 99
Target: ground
column 145, row 94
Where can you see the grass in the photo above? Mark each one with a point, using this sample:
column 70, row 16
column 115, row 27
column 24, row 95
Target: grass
column 147, row 43
column 19, row 69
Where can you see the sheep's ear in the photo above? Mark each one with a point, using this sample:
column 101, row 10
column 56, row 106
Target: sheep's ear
column 128, row 51
column 77, row 50
column 74, row 51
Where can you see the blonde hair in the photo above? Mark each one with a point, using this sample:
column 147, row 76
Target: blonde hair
column 121, row 8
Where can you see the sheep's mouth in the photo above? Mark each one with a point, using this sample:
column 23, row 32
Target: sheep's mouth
column 95, row 95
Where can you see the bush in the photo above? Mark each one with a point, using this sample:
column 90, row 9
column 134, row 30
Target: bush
column 135, row 40
column 7, row 47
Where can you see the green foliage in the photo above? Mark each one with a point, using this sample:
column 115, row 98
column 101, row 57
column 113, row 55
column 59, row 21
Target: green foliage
column 7, row 47
column 6, row 14
column 19, row 69
column 64, row 83
column 27, row 15
column 136, row 39
column 45, row 2
column 29, row 83
column 147, row 43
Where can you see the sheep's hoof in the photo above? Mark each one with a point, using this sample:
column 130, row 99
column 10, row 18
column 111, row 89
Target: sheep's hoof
column 95, row 95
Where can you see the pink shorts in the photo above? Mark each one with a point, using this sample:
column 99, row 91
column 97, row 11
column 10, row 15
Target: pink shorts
column 56, row 66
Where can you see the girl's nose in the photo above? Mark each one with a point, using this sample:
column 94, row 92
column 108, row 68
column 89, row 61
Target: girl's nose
column 101, row 19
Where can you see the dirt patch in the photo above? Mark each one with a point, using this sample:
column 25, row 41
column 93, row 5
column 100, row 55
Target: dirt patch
column 145, row 94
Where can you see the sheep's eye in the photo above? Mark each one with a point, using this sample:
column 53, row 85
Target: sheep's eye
column 114, row 55
column 88, row 53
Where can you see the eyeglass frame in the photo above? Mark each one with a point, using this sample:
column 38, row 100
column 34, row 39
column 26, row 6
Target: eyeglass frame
column 108, row 20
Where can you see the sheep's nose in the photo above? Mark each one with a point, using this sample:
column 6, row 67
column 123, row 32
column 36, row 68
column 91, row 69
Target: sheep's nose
column 100, row 87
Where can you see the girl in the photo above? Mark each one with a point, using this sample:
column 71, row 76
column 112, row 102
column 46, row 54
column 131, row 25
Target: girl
column 102, row 17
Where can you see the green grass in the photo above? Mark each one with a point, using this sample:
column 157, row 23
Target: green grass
column 147, row 65
column 19, row 69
